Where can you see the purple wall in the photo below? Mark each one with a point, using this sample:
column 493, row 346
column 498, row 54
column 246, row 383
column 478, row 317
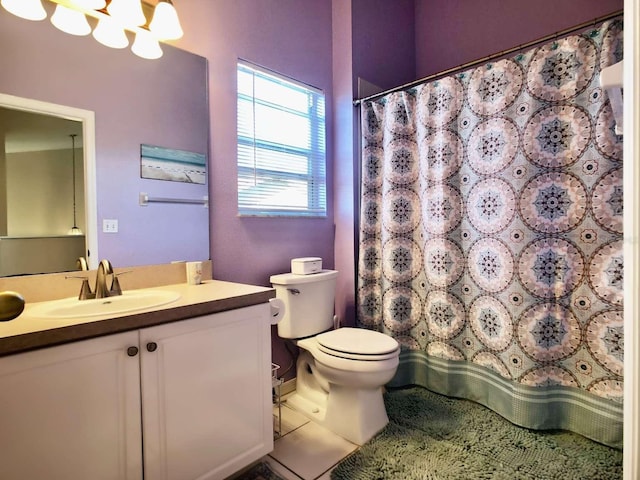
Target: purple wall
column 383, row 42
column 453, row 32
column 344, row 148
column 292, row 37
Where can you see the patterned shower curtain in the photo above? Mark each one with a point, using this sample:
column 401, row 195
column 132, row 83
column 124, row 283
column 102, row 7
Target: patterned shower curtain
column 491, row 235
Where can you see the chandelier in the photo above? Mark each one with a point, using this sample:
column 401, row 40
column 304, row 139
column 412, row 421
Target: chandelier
column 114, row 19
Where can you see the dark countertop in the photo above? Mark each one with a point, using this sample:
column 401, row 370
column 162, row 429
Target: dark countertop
column 29, row 332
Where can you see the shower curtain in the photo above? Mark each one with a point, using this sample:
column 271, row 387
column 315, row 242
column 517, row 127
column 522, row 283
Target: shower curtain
column 491, row 235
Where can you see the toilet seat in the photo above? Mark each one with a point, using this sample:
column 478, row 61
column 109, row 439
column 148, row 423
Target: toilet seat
column 357, row 344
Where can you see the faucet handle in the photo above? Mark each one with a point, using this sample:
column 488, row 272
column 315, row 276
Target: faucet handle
column 115, row 286
column 115, row 283
column 85, row 289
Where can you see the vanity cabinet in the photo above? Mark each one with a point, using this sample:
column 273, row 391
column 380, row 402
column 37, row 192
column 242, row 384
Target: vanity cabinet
column 71, row 412
column 206, row 394
column 179, row 401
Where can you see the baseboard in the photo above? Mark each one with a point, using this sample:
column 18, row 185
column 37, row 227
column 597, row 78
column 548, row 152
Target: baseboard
column 288, row 387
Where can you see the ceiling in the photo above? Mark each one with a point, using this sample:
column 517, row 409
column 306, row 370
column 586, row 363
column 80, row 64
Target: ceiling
column 29, row 132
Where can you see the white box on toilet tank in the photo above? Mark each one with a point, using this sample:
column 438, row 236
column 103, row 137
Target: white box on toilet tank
column 306, row 265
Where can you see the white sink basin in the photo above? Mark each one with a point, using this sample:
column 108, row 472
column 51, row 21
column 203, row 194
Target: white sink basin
column 129, row 301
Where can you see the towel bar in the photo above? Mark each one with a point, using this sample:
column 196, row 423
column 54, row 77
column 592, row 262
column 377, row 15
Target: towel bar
column 145, row 200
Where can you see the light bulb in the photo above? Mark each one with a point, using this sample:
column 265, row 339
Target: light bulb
column 146, row 46
column 70, row 21
column 90, row 4
column 74, row 231
column 165, row 24
column 27, row 9
column 127, row 12
column 111, row 34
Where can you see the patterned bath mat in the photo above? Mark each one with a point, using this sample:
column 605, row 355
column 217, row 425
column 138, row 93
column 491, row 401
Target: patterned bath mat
column 261, row 471
column 433, row 437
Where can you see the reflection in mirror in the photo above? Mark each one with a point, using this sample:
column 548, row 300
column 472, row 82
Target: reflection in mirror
column 42, row 187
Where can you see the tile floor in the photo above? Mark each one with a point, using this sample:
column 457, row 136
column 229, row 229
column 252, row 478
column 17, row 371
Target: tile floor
column 306, row 450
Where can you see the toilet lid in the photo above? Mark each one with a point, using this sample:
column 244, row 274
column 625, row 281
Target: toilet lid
column 357, row 343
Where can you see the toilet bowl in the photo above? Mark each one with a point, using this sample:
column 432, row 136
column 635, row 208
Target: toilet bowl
column 343, row 390
column 340, row 373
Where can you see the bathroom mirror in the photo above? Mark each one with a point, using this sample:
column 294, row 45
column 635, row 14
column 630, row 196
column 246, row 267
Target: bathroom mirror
column 133, row 101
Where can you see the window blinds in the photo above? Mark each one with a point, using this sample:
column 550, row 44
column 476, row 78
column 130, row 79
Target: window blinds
column 281, row 146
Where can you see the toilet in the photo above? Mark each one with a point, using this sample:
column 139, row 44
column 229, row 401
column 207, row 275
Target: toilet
column 340, row 373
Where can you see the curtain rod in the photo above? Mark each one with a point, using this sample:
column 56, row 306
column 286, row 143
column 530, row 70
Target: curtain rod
column 482, row 60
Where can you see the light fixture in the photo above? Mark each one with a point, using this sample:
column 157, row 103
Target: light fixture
column 27, row 9
column 146, row 46
column 113, row 17
column 70, row 21
column 111, row 34
column 127, row 12
column 165, row 24
column 74, row 230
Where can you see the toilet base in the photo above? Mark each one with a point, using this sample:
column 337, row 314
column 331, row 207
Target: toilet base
column 309, row 409
column 354, row 414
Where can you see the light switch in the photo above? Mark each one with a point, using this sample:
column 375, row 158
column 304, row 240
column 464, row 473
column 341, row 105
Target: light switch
column 109, row 225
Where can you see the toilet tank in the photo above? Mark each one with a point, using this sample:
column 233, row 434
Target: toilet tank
column 309, row 302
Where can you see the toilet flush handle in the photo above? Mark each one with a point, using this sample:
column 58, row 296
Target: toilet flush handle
column 294, row 291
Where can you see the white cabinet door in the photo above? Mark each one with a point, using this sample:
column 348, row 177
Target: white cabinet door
column 206, row 394
column 72, row 412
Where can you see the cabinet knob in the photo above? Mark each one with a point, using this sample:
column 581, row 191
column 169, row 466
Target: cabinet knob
column 132, row 351
column 152, row 346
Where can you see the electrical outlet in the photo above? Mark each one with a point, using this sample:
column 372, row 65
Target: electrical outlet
column 109, row 225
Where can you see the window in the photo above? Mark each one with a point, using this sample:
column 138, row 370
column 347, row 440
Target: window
column 281, row 146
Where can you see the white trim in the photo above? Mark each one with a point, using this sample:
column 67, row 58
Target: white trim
column 631, row 199
column 87, row 118
column 280, row 76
